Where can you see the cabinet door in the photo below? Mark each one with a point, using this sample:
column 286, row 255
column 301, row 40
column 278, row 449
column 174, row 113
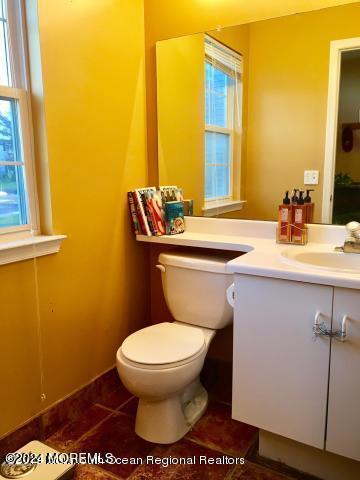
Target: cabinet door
column 280, row 372
column 343, row 433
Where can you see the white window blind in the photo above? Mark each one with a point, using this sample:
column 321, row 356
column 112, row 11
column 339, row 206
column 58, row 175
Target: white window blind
column 220, row 55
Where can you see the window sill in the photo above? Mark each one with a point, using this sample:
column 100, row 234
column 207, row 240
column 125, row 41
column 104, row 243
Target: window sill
column 216, row 208
column 30, row 247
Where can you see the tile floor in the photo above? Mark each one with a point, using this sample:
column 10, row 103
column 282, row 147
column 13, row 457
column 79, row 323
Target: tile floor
column 108, row 426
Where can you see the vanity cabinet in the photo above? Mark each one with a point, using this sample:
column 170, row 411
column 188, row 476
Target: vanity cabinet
column 281, row 370
column 343, row 426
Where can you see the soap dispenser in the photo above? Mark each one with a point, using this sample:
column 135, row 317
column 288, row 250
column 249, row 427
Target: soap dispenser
column 294, row 198
column 284, row 219
column 309, row 206
column 298, row 228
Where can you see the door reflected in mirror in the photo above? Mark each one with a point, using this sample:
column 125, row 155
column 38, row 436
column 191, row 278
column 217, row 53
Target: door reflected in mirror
column 251, row 111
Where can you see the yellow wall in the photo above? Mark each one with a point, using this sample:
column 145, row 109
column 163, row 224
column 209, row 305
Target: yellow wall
column 172, row 18
column 180, row 80
column 19, row 352
column 94, row 292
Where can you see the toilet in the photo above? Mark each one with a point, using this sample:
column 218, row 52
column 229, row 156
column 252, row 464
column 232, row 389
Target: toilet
column 161, row 364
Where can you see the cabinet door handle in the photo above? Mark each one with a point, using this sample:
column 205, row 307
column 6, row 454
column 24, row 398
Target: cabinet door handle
column 319, row 328
column 230, row 295
column 317, row 317
column 341, row 334
column 316, row 327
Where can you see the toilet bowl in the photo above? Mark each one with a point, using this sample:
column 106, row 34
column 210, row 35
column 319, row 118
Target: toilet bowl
column 161, row 364
column 171, row 397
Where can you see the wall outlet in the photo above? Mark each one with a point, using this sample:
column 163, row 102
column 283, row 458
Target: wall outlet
column 311, row 177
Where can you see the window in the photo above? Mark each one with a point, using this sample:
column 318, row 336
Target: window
column 222, row 123
column 18, row 206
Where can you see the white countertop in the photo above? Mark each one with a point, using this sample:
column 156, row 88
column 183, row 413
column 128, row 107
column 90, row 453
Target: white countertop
column 263, row 255
column 265, row 260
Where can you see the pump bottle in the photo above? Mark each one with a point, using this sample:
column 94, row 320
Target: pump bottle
column 299, row 219
column 309, row 207
column 284, row 219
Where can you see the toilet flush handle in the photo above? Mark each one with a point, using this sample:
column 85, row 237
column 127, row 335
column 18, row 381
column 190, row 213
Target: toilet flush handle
column 161, row 268
column 230, row 295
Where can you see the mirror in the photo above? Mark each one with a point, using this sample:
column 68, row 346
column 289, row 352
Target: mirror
column 248, row 112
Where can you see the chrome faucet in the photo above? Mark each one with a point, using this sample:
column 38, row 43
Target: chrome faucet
column 352, row 241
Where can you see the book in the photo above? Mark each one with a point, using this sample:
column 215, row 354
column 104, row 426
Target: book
column 144, row 227
column 188, row 207
column 154, row 208
column 147, row 209
column 159, row 213
column 133, row 214
column 174, row 218
column 170, row 193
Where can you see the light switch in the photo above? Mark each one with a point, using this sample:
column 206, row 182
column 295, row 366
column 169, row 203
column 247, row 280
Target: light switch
column 311, row 177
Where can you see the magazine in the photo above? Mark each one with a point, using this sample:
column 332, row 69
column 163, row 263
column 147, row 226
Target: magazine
column 170, row 193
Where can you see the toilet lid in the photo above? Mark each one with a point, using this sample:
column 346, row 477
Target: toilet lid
column 163, row 343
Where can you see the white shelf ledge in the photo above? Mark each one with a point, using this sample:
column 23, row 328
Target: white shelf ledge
column 204, row 240
column 29, row 247
column 217, row 208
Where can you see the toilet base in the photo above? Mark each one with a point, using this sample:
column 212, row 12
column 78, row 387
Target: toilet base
column 168, row 420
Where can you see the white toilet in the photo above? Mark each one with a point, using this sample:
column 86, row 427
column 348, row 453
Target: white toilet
column 161, row 364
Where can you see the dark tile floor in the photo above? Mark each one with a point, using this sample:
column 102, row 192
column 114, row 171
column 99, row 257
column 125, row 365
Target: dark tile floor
column 108, row 426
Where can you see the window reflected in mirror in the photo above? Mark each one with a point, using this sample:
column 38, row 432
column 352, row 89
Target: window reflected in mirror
column 223, row 113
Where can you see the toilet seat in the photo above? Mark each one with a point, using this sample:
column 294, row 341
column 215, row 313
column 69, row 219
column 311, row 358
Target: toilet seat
column 164, row 345
column 164, row 366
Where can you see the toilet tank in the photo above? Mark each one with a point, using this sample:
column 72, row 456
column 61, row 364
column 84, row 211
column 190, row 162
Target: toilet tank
column 194, row 286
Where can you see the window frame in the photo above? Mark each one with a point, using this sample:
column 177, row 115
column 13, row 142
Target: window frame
column 21, row 97
column 226, row 131
column 20, row 91
column 234, row 108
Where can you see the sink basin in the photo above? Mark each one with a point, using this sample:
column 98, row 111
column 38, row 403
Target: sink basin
column 324, row 260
